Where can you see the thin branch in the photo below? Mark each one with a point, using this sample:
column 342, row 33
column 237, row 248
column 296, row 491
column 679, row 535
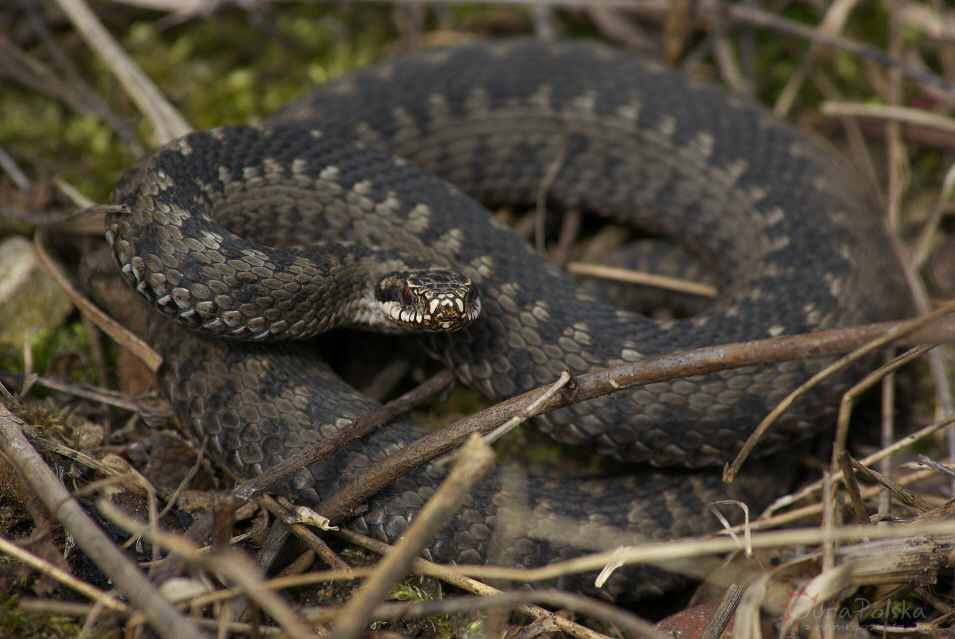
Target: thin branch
column 39, row 564
column 814, row 487
column 614, row 616
column 450, row 575
column 738, row 12
column 163, row 617
column 362, row 426
column 864, row 349
column 473, row 463
column 603, row 382
column 357, row 429
column 230, row 564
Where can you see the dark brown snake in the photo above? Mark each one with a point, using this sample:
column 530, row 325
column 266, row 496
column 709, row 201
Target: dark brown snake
column 793, row 241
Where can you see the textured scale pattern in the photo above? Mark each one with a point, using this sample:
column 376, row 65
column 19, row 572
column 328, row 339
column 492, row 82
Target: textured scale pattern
column 228, row 230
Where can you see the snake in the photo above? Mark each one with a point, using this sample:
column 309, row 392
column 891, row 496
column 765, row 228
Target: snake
column 247, row 241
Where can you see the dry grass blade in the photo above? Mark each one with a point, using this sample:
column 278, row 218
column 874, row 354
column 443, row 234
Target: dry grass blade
column 27, row 558
column 616, row 617
column 98, row 395
column 661, row 552
column 164, row 618
column 167, row 122
column 473, row 463
column 724, row 614
column 10, row 167
column 832, row 24
column 606, row 381
column 114, row 329
column 903, row 443
column 900, row 330
column 531, row 409
column 648, row 279
column 231, row 565
column 855, row 493
column 131, row 481
column 451, row 575
column 903, row 100
column 902, row 114
column 899, row 491
column 850, row 396
column 30, row 72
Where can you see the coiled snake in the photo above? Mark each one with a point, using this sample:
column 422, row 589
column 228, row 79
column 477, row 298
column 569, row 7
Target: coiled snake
column 792, row 240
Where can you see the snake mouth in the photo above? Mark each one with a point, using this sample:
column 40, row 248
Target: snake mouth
column 428, row 300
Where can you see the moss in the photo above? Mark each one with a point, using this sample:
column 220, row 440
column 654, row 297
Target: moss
column 48, row 139
column 440, row 626
column 14, row 623
column 239, row 67
column 234, row 69
column 47, row 344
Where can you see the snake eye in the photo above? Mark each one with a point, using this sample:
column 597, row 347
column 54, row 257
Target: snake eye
column 407, row 295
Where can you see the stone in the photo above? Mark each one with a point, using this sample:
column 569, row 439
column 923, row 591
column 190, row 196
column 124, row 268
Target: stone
column 29, row 299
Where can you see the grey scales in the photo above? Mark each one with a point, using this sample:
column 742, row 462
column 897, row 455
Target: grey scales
column 242, row 237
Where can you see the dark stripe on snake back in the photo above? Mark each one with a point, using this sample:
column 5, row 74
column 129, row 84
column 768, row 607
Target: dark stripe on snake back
column 794, row 244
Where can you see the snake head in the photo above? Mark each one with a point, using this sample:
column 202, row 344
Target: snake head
column 428, row 300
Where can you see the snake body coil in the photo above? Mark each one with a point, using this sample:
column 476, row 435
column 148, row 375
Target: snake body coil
column 794, row 245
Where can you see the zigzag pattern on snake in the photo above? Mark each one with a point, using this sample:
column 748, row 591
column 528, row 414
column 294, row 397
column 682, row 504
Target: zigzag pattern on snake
column 792, row 240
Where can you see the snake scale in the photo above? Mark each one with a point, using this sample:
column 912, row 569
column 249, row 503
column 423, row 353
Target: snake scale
column 219, row 232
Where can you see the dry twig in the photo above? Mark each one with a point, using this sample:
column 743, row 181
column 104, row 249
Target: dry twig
column 473, row 463
column 163, row 617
